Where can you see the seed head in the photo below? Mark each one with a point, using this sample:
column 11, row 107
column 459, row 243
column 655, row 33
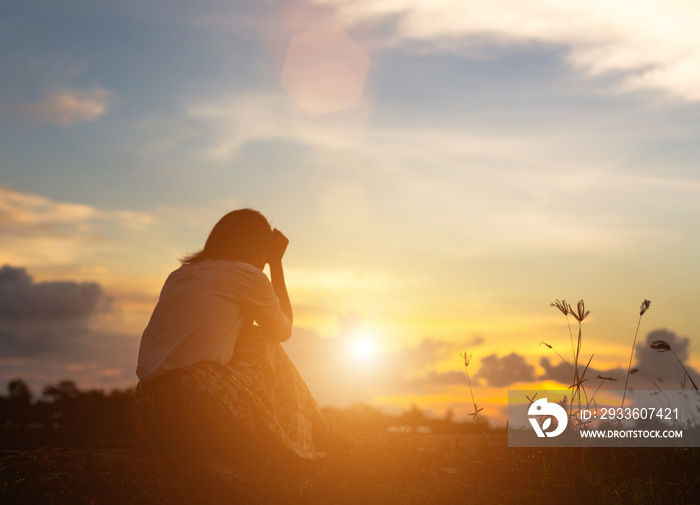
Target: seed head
column 467, row 357
column 660, row 345
column 581, row 311
column 644, row 307
column 561, row 305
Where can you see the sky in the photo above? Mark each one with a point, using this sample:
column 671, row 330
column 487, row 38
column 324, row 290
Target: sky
column 444, row 171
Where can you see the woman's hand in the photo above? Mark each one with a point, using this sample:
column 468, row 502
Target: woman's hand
column 278, row 246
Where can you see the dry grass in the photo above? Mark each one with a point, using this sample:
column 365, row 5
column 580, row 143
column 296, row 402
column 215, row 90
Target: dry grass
column 385, row 469
column 579, row 375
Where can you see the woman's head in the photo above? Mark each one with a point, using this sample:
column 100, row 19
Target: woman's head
column 242, row 235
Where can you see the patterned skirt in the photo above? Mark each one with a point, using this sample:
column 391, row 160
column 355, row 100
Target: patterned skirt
column 257, row 405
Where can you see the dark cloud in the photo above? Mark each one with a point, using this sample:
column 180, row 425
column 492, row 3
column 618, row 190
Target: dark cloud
column 25, row 339
column 45, row 335
column 42, row 317
column 502, row 372
column 22, row 299
column 562, row 373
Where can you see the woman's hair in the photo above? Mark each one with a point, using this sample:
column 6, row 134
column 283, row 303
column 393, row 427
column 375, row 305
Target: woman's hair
column 242, row 235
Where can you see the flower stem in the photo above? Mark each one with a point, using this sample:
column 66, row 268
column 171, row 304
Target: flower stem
column 629, row 366
column 685, row 370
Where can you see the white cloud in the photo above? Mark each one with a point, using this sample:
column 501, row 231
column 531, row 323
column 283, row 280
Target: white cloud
column 25, row 213
column 37, row 230
column 234, row 120
column 22, row 209
column 63, row 238
column 68, row 106
column 650, row 45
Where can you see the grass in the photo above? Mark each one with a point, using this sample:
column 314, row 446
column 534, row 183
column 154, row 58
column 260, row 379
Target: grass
column 644, row 307
column 579, row 376
column 385, row 469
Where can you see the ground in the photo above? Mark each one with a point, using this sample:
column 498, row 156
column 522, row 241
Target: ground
column 382, row 469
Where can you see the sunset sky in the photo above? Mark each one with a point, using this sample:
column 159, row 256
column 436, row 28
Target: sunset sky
column 444, row 171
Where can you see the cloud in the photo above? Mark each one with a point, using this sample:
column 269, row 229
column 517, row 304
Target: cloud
column 28, row 214
column 232, row 121
column 649, row 46
column 68, row 106
column 502, row 372
column 423, row 356
column 22, row 299
column 41, row 231
column 476, row 341
column 433, row 381
column 39, row 317
column 20, row 212
column 520, row 188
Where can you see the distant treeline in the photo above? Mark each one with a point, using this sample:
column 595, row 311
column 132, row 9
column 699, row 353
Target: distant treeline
column 65, row 415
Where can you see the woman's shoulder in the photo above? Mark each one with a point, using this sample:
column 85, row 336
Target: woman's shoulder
column 209, row 273
column 226, row 268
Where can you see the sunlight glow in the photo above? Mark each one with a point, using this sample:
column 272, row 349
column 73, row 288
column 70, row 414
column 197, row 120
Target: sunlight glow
column 362, row 348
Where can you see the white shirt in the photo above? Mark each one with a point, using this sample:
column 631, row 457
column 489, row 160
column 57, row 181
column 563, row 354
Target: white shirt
column 200, row 312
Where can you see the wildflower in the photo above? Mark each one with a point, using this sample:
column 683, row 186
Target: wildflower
column 467, row 358
column 531, row 400
column 660, row 345
column 581, row 312
column 561, row 305
column 644, row 307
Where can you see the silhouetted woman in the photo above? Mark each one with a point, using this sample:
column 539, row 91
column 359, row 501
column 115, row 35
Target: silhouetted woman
column 213, row 377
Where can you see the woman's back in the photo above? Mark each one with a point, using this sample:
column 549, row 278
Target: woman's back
column 200, row 313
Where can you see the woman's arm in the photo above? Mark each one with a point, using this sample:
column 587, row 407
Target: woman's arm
column 277, row 250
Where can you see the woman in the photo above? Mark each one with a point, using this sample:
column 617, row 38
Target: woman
column 213, row 378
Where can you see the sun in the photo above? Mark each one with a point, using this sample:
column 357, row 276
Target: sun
column 362, row 348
